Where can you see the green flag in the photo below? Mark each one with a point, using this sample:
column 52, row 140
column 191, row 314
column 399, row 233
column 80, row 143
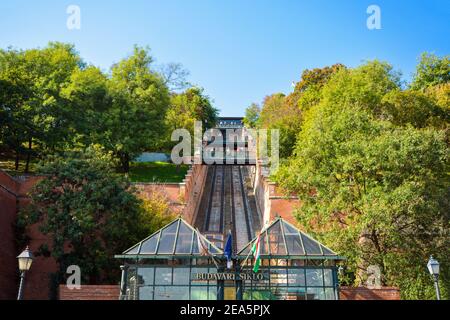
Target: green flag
column 256, row 254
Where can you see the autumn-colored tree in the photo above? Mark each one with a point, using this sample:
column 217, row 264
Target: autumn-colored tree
column 373, row 181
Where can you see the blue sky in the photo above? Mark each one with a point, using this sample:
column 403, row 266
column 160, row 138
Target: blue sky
column 239, row 51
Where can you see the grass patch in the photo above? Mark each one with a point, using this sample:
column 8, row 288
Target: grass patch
column 157, row 172
column 9, row 167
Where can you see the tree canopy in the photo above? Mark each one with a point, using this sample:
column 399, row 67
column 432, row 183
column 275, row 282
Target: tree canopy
column 89, row 213
column 51, row 101
column 431, row 71
column 370, row 167
column 252, row 114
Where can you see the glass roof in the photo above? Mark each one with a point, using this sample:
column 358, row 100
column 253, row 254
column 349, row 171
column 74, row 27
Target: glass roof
column 283, row 239
column 176, row 238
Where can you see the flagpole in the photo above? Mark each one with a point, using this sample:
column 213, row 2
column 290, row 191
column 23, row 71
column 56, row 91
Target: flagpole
column 250, row 251
column 207, row 251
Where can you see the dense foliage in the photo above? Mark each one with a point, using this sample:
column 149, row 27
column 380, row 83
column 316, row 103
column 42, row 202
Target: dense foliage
column 370, row 167
column 89, row 214
column 285, row 113
column 187, row 107
column 51, row 101
column 252, row 114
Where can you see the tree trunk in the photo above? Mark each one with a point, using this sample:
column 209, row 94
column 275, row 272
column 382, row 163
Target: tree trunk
column 125, row 162
column 27, row 165
column 16, row 165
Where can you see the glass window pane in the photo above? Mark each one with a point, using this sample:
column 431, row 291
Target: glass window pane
column 172, row 293
column 297, row 277
column 199, row 293
column 314, row 277
column 163, row 276
column 294, row 245
column 212, row 270
column 146, row 293
column 315, row 294
column 311, row 246
column 167, row 239
column 212, row 249
column 263, row 244
column 246, row 250
column 293, row 242
column 295, row 294
column 181, row 276
column 194, row 271
column 149, row 246
column 195, row 249
column 328, row 277
column 146, row 276
column 329, row 294
column 263, row 294
column 184, row 240
column 212, row 292
column 278, row 277
column 276, row 241
column 133, row 250
column 327, row 252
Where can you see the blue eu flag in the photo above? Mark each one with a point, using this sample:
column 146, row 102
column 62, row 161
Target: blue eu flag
column 228, row 250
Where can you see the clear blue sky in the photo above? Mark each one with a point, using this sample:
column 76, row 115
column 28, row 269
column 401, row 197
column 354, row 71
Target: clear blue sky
column 239, row 51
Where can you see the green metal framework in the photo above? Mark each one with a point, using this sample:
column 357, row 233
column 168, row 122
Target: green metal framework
column 282, row 240
column 178, row 239
column 295, row 266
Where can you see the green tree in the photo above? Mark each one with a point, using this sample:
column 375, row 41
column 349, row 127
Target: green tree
column 15, row 118
column 277, row 114
column 89, row 98
column 89, row 213
column 376, row 191
column 135, row 122
column 38, row 115
column 252, row 115
column 415, row 108
column 430, row 71
column 186, row 108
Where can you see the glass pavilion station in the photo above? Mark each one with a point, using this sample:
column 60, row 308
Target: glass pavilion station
column 184, row 262
column 179, row 263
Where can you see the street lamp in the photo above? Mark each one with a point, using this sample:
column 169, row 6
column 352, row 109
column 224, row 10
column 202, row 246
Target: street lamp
column 433, row 268
column 25, row 260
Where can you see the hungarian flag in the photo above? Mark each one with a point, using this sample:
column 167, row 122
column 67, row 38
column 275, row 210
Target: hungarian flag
column 256, row 254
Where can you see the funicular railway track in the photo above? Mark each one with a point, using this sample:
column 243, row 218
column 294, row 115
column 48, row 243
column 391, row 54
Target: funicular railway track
column 225, row 206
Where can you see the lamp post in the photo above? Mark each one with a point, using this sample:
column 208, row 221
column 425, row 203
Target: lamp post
column 433, row 268
column 25, row 260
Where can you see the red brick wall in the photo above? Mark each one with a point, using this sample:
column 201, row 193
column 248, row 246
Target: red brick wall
column 271, row 202
column 193, row 188
column 8, row 262
column 362, row 293
column 13, row 197
column 171, row 191
column 103, row 292
column 112, row 293
column 183, row 197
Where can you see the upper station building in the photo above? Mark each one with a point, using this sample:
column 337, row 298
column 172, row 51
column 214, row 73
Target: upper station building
column 185, row 260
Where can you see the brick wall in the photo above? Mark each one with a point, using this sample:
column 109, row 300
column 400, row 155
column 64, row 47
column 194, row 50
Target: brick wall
column 362, row 293
column 104, row 292
column 171, row 191
column 271, row 202
column 192, row 190
column 13, row 197
column 112, row 293
column 183, row 197
column 8, row 212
